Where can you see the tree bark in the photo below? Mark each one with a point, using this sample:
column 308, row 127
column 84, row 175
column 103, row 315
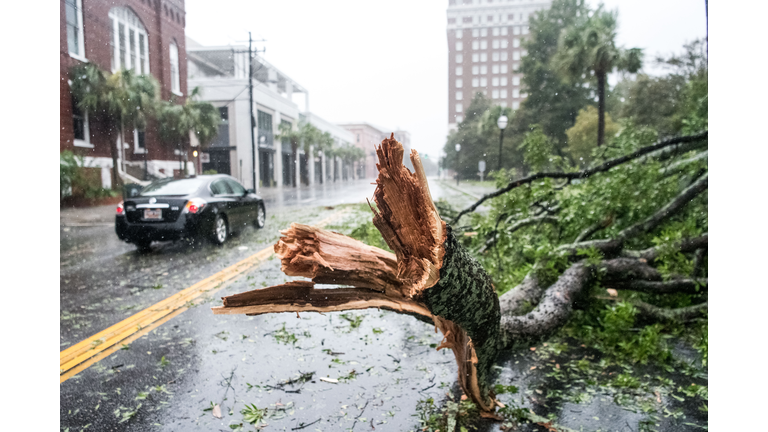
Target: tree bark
column 600, row 108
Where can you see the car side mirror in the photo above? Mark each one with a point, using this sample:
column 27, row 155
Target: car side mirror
column 249, row 191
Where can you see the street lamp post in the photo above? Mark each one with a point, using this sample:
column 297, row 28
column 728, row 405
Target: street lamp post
column 458, row 155
column 501, row 123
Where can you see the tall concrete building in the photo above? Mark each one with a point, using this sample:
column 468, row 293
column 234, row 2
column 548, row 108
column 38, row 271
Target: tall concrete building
column 484, row 51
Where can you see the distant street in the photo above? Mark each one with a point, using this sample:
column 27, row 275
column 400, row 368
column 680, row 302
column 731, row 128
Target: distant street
column 163, row 360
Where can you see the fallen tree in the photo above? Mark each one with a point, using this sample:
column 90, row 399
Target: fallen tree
column 433, row 277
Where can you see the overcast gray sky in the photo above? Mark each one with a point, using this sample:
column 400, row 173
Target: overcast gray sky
column 385, row 62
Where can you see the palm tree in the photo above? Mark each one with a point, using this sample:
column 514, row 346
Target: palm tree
column 176, row 121
column 590, row 45
column 306, row 135
column 115, row 100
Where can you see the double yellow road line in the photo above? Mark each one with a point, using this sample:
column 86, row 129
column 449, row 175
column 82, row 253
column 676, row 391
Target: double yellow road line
column 80, row 356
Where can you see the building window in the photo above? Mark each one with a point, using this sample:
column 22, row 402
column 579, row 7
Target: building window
column 495, row 56
column 516, row 43
column 458, row 34
column 483, row 44
column 511, row 17
column 489, row 18
column 174, row 57
column 495, row 94
column 475, row 82
column 515, row 105
column 515, row 93
column 459, row 46
column 139, row 141
column 516, row 80
column 459, row 107
column 503, row 81
column 483, row 57
column 459, row 58
column 495, row 31
column 80, row 126
column 503, row 93
column 525, row 30
column 504, row 43
column 459, row 83
column 74, row 13
column 458, row 70
column 475, row 32
column 495, row 43
column 129, row 41
column 475, row 45
column 516, row 55
column 504, row 56
column 495, row 69
column 451, row 20
column 459, row 95
column 483, row 32
column 358, row 137
column 504, row 31
column 483, row 82
column 483, row 70
column 222, row 138
column 475, row 57
column 475, row 70
column 467, row 19
column 515, row 66
column 515, row 30
column 504, row 68
column 495, row 81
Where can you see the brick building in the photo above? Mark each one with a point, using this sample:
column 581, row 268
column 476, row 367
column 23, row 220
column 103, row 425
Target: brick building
column 144, row 35
column 484, row 51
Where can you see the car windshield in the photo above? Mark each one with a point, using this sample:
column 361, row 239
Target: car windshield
column 173, row 187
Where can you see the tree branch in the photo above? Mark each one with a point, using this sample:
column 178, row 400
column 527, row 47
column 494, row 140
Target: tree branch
column 556, row 304
column 518, row 225
column 656, row 313
column 554, row 309
column 677, row 141
column 613, row 246
column 687, row 286
column 684, row 245
column 528, row 292
column 591, row 230
column 698, row 262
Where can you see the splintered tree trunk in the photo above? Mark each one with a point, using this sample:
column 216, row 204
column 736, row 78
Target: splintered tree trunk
column 430, row 275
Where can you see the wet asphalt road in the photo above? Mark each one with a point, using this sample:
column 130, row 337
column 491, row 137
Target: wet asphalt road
column 384, row 363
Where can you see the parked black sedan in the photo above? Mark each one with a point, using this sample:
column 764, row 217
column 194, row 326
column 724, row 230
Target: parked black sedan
column 212, row 206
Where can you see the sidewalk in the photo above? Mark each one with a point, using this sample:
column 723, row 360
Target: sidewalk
column 87, row 216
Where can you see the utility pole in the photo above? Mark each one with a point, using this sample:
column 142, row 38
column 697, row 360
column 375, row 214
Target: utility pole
column 250, row 107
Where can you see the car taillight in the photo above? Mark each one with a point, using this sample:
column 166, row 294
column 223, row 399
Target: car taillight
column 195, row 205
column 120, row 209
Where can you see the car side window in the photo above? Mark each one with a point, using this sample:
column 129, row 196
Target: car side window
column 220, row 187
column 237, row 188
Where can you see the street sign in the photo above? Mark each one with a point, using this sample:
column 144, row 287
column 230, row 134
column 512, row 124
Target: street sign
column 481, row 166
column 205, row 157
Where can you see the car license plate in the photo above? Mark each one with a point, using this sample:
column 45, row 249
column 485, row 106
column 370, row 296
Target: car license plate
column 153, row 214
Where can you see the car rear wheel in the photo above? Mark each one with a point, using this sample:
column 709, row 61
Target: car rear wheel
column 143, row 245
column 220, row 229
column 261, row 216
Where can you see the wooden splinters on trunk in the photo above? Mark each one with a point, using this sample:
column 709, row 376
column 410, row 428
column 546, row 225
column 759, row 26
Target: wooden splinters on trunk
column 430, row 275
